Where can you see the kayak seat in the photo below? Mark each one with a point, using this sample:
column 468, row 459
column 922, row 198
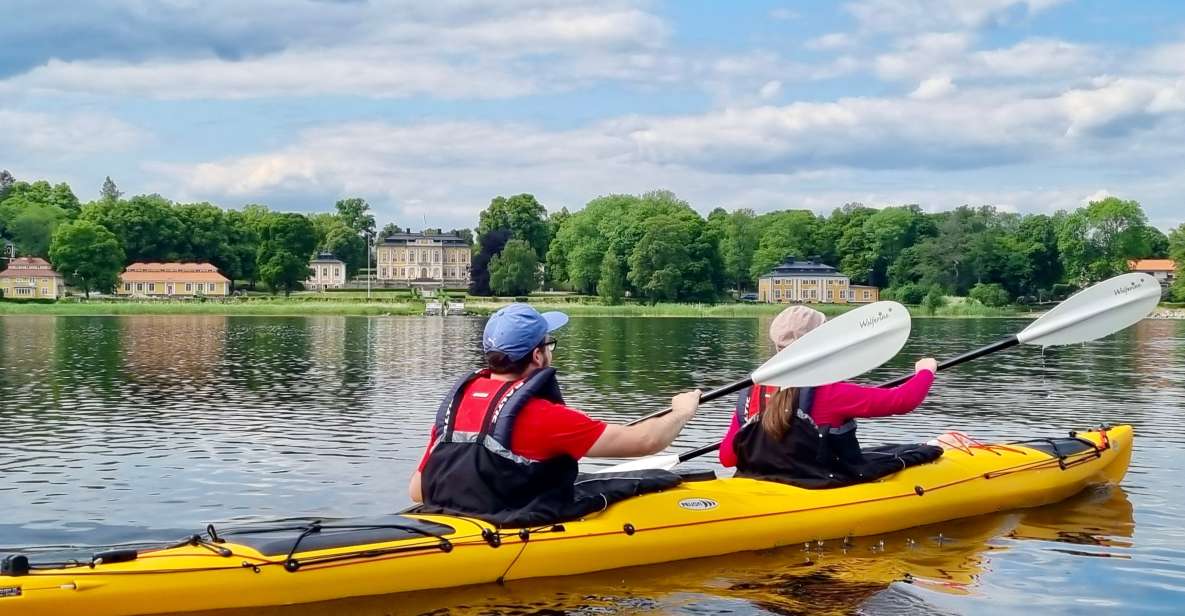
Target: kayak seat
column 1058, row 447
column 278, row 540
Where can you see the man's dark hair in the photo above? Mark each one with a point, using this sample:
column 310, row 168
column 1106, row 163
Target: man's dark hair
column 500, row 363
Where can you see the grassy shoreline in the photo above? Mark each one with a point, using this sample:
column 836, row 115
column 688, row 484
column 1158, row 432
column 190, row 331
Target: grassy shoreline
column 405, row 306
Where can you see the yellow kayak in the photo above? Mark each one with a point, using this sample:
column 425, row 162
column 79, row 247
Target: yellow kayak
column 301, row 562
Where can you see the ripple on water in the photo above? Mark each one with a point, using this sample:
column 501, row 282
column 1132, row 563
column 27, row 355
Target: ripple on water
column 143, row 428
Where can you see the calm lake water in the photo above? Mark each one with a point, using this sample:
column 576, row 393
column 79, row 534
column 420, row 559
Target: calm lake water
column 145, row 428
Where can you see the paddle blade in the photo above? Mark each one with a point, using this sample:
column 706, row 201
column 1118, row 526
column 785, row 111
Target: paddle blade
column 840, row 349
column 663, row 462
column 1098, row 311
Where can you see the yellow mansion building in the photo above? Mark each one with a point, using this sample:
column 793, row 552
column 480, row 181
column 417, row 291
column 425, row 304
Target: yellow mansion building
column 172, row 280
column 427, row 260
column 808, row 282
column 31, row 278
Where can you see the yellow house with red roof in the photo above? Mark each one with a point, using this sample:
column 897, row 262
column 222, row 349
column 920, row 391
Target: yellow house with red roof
column 31, row 278
column 172, row 280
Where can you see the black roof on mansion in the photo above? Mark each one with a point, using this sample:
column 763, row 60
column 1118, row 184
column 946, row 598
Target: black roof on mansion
column 402, row 239
column 326, row 257
column 804, row 269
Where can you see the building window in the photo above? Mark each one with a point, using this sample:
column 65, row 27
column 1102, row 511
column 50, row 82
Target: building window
column 189, row 287
column 867, row 295
column 383, row 272
column 139, row 286
column 127, row 286
column 324, row 272
column 337, row 271
column 211, row 286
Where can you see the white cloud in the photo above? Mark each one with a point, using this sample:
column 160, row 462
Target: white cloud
column 1097, row 195
column 831, row 42
column 24, row 135
column 487, row 51
column 932, row 88
column 771, row 89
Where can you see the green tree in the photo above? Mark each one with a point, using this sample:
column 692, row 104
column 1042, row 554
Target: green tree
column 934, row 300
column 1176, row 241
column 335, row 236
column 490, row 244
column 1096, row 242
column 32, row 228
column 286, row 243
column 522, row 215
column 611, row 286
column 514, row 270
column 356, row 214
column 109, row 191
column 789, row 233
column 147, row 225
column 739, row 239
column 389, row 229
column 6, row 182
column 655, row 264
column 88, row 255
column 990, row 294
column 243, row 232
column 205, row 234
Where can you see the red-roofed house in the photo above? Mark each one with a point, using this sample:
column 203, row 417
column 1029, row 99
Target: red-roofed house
column 172, row 280
column 1163, row 270
column 31, row 278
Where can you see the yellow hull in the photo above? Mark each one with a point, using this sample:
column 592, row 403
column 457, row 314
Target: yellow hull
column 696, row 519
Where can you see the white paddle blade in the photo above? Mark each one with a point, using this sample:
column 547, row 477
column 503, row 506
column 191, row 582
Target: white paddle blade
column 665, row 462
column 840, row 349
column 1098, row 311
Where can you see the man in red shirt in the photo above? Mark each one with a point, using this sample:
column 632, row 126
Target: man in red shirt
column 503, row 439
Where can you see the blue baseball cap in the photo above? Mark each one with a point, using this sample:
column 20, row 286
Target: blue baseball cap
column 518, row 328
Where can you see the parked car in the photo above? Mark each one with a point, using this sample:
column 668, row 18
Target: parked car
column 748, row 297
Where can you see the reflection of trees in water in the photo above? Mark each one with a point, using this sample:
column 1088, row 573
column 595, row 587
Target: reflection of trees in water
column 88, row 354
column 269, row 353
column 26, row 357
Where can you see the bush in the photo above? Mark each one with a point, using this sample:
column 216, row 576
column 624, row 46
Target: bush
column 908, row 293
column 934, row 300
column 990, row 294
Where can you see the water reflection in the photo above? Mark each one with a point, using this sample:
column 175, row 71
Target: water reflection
column 121, row 429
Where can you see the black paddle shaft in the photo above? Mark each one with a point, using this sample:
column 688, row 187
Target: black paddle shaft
column 1008, row 342
column 1000, row 345
column 711, row 395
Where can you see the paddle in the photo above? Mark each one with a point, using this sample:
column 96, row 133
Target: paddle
column 847, row 346
column 1090, row 314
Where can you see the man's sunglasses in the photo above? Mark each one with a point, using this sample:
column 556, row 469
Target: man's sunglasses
column 550, row 343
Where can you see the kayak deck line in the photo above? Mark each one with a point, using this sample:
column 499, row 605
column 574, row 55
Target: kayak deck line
column 918, row 491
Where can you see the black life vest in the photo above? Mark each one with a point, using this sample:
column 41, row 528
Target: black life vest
column 477, row 473
column 814, row 456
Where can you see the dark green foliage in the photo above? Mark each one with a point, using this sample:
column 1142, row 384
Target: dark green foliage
column 990, row 294
column 523, row 216
column 515, row 269
column 87, row 255
column 491, row 244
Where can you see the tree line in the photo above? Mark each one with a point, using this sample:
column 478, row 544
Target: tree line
column 89, row 244
column 656, row 247
column 653, row 246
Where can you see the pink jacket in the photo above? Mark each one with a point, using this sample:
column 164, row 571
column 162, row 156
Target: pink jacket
column 836, row 403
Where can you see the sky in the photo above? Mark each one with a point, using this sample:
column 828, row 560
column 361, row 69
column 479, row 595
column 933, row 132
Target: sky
column 429, row 110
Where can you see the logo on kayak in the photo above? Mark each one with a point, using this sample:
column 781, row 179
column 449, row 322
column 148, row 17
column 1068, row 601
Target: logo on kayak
column 10, row 591
column 698, row 504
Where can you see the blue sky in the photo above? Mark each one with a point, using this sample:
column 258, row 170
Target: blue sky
column 428, row 110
